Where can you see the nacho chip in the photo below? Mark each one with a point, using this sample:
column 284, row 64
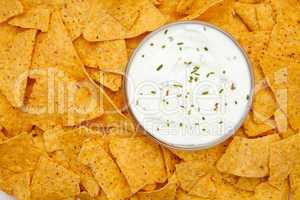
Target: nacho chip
column 150, row 18
column 105, row 170
column 294, row 179
column 248, row 14
column 247, row 157
column 184, row 6
column 168, row 192
column 181, row 195
column 110, row 80
column 264, row 13
column 35, row 18
column 101, row 26
column 284, row 156
column 15, row 63
column 18, row 154
column 168, row 9
column 52, row 139
column 248, row 184
column 252, row 129
column 2, row 137
column 10, row 8
column 205, row 187
column 52, row 181
column 170, row 161
column 140, row 160
column 109, row 56
column 117, row 98
column 20, row 185
column 60, row 158
column 37, row 139
column 75, row 15
column 281, row 121
column 266, row 191
column 54, row 49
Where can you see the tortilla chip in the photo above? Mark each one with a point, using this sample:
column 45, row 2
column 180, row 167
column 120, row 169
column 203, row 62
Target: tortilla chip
column 52, row 139
column 205, row 187
column 168, row 9
column 168, row 192
column 281, row 121
column 60, row 158
column 105, row 170
column 16, row 60
column 54, row 49
column 13, row 120
column 248, row 184
column 266, row 191
column 170, row 161
column 2, row 137
column 248, row 14
column 52, row 181
column 209, row 156
column 264, row 105
column 75, row 15
column 37, row 139
column 284, row 156
column 140, row 160
column 20, row 185
column 101, row 26
column 150, row 18
column 110, row 80
column 247, row 157
column 149, row 187
column 252, row 129
column 10, row 8
column 181, row 195
column 35, row 18
column 50, row 4
column 199, row 7
column 295, row 181
column 184, row 6
column 264, row 13
column 109, row 56
column 118, row 99
column 18, row 154
column 188, row 173
column 250, row 1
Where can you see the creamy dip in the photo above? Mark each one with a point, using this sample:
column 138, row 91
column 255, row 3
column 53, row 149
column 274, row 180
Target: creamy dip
column 189, row 85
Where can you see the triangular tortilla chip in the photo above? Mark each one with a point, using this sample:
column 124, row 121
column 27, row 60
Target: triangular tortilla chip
column 52, row 181
column 54, row 49
column 35, row 18
column 105, row 170
column 264, row 13
column 248, row 14
column 181, row 195
column 170, row 161
column 75, row 14
column 109, row 56
column 139, row 169
column 247, row 157
column 101, row 26
column 205, row 187
column 295, row 182
column 20, row 185
column 18, row 154
column 253, row 129
column 168, row 9
column 110, row 80
column 9, row 8
column 267, row 191
column 16, row 60
column 248, row 184
column 150, row 18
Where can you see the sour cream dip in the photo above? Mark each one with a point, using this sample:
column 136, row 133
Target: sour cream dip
column 189, row 85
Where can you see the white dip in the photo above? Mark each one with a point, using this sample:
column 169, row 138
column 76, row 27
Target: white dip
column 189, row 85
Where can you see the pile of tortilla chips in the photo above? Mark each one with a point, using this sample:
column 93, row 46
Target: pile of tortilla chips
column 65, row 132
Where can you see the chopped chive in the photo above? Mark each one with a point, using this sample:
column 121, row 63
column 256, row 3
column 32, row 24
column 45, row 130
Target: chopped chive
column 180, row 49
column 196, row 78
column 197, row 124
column 198, row 49
column 180, row 43
column 153, row 92
column 137, row 102
column 210, row 73
column 179, row 95
column 192, row 105
column 232, row 87
column 143, row 56
column 189, row 112
column 177, row 85
column 151, row 44
column 180, row 124
column 203, row 129
column 141, row 93
column 220, row 122
column 167, row 93
column 157, row 129
column 205, row 48
column 159, row 67
column 204, row 28
column 171, row 38
column 221, row 91
column 235, row 102
column 166, row 31
column 216, row 106
column 203, row 118
column 224, row 72
column 247, row 97
column 163, row 46
column 187, row 63
column 205, row 93
column 182, row 106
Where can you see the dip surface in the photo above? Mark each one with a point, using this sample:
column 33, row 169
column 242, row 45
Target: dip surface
column 189, row 85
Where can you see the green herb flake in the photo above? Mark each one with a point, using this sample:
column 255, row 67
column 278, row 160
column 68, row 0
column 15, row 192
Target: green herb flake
column 224, row 72
column 203, row 118
column 177, row 85
column 205, row 48
column 143, row 56
column 205, row 93
column 209, row 74
column 235, row 102
column 163, row 46
column 171, row 39
column 152, row 44
column 159, row 67
column 232, row 87
column 153, row 92
column 221, row 91
column 180, row 43
column 248, row 97
column 166, row 31
column 180, row 124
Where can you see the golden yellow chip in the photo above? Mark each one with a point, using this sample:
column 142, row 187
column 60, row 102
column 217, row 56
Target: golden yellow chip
column 248, row 184
column 281, row 121
column 248, row 14
column 75, row 15
column 253, row 129
column 170, row 161
column 109, row 56
column 284, row 156
column 16, row 60
column 101, row 26
column 150, row 18
column 18, row 154
column 294, row 179
column 54, row 49
column 140, row 160
column 10, row 8
column 52, row 181
column 60, row 158
column 168, row 9
column 247, row 157
column 264, row 13
column 181, row 195
column 52, row 139
column 205, row 187
column 267, row 191
column 35, row 18
column 168, row 192
column 184, row 6
column 20, row 185
column 105, row 170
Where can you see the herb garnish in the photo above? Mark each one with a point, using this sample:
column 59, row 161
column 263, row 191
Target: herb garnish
column 205, row 48
column 210, row 73
column 163, row 46
column 166, row 31
column 221, row 91
column 153, row 92
column 232, row 87
column 151, row 44
column 159, row 67
column 180, row 43
column 205, row 93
